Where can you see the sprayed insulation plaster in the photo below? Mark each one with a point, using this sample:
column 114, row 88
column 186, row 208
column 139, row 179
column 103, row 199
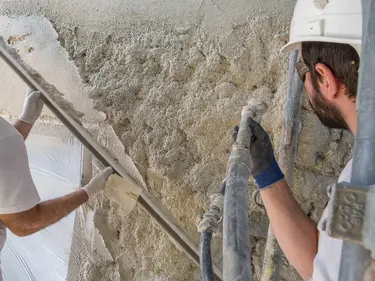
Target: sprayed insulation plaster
column 171, row 79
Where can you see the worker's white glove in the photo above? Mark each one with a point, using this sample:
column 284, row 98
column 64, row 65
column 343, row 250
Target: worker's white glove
column 32, row 107
column 97, row 183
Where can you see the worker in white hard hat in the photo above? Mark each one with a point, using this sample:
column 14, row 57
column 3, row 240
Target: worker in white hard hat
column 21, row 210
column 328, row 33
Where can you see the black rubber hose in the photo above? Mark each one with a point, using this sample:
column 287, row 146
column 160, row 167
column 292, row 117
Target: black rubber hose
column 205, row 258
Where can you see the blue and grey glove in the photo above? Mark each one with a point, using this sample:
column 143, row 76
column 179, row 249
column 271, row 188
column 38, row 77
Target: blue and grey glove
column 263, row 166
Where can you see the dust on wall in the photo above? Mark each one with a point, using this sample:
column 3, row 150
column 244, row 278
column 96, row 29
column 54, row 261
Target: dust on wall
column 172, row 93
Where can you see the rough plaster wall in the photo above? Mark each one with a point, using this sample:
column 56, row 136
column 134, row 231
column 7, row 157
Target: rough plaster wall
column 171, row 81
column 35, row 41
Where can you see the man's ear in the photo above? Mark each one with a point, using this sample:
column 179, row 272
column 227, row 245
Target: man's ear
column 328, row 84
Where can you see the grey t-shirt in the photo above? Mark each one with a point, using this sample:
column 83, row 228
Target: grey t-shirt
column 17, row 190
column 327, row 261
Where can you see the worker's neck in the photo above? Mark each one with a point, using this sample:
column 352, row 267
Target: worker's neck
column 352, row 124
column 349, row 114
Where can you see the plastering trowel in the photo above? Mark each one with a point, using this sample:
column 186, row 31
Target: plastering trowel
column 123, row 192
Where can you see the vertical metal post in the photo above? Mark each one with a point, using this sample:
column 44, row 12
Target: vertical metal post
column 292, row 122
column 355, row 258
column 287, row 157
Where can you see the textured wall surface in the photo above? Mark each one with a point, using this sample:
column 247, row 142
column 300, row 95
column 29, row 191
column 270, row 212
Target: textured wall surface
column 171, row 79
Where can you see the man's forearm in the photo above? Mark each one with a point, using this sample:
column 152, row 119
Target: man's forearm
column 51, row 211
column 296, row 234
column 23, row 127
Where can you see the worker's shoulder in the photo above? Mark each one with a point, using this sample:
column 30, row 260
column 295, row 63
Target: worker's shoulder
column 7, row 130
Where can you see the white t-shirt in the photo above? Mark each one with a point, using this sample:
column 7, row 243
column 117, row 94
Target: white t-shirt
column 327, row 261
column 17, row 190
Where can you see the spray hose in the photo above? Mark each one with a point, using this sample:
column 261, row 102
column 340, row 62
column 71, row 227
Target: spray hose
column 233, row 204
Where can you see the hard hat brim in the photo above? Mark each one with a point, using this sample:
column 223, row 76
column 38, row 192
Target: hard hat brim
column 296, row 44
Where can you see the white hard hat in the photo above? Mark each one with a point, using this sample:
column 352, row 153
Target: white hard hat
column 335, row 21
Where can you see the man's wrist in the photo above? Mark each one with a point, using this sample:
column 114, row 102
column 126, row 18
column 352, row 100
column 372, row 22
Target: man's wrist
column 269, row 176
column 91, row 192
column 85, row 194
column 23, row 128
column 26, row 119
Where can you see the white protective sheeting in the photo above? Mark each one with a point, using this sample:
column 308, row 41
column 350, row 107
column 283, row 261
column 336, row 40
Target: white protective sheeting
column 55, row 159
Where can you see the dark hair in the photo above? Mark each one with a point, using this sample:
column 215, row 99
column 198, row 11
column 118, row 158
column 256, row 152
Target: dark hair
column 342, row 59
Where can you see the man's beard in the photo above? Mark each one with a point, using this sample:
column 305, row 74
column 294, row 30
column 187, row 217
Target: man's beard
column 328, row 114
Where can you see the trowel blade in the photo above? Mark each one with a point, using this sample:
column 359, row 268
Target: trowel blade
column 122, row 191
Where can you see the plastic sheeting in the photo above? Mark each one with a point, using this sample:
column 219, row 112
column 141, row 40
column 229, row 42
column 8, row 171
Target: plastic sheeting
column 55, row 163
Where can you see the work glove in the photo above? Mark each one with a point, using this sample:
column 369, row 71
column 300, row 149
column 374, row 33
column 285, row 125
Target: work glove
column 32, row 107
column 97, row 184
column 263, row 166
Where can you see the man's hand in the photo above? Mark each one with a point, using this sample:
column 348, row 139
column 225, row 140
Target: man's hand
column 296, row 234
column 32, row 107
column 263, row 166
column 97, row 184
